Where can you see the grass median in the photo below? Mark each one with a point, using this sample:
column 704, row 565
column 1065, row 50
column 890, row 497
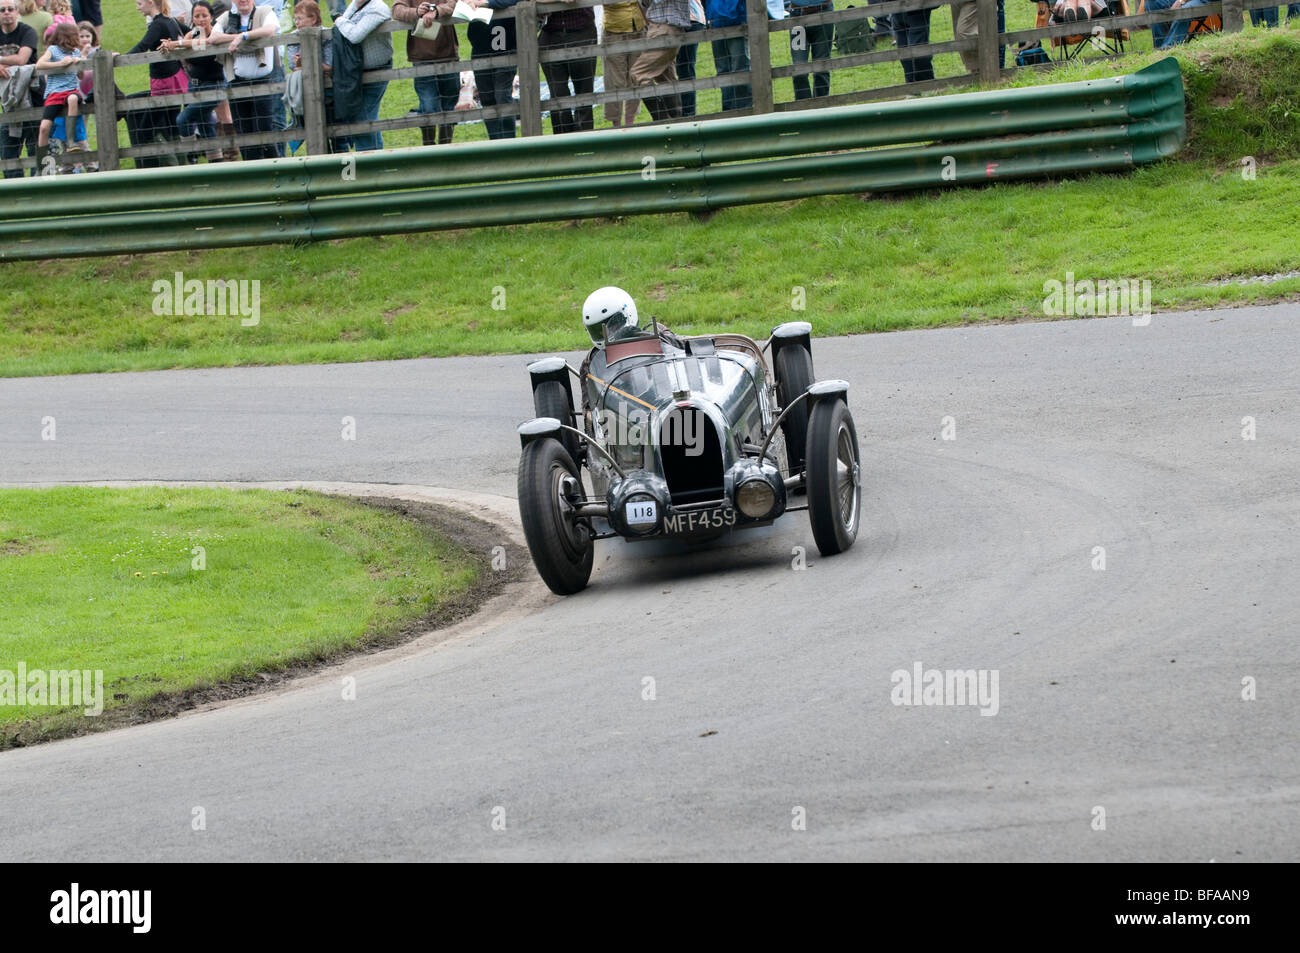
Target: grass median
column 182, row 595
column 1199, row 229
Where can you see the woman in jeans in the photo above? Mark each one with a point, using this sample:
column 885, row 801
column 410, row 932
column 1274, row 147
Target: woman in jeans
column 570, row 28
column 206, row 72
column 247, row 66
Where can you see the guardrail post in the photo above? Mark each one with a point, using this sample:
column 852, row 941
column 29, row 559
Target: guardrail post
column 313, row 91
column 105, row 111
column 760, row 56
column 986, row 42
column 1232, row 16
column 530, row 85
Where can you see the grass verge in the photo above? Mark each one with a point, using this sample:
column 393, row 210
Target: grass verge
column 183, row 595
column 1191, row 227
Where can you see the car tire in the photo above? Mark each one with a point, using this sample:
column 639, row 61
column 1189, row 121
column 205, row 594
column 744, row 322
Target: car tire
column 834, row 477
column 560, row 544
column 550, row 399
column 794, row 375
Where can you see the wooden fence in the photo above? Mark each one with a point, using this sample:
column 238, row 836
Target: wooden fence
column 528, row 57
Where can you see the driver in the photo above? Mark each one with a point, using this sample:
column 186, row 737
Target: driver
column 609, row 315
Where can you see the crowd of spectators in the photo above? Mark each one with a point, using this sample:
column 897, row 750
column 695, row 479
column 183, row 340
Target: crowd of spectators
column 49, row 34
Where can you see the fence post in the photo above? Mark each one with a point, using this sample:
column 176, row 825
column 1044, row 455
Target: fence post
column 760, row 55
column 1232, row 16
column 530, row 86
column 105, row 111
column 313, row 91
column 986, row 42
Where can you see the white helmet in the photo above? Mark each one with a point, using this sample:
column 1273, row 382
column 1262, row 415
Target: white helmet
column 608, row 313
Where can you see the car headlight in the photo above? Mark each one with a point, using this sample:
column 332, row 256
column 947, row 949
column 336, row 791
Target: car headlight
column 755, row 498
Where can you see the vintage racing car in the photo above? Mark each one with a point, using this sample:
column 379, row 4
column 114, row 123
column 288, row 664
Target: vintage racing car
column 682, row 437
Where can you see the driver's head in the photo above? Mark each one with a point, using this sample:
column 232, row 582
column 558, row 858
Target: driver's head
column 608, row 314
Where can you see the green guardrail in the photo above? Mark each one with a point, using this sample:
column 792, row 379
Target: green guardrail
column 1094, row 125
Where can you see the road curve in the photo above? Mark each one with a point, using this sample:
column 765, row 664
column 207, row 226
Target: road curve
column 1120, row 688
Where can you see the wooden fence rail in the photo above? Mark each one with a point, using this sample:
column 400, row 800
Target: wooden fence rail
column 317, row 134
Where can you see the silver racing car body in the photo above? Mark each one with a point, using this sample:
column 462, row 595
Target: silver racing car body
column 687, row 438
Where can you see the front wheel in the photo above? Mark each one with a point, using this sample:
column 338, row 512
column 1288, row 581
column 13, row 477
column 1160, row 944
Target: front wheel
column 834, row 477
column 550, row 486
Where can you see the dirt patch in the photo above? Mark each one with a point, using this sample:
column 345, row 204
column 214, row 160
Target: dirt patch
column 476, row 538
column 23, row 547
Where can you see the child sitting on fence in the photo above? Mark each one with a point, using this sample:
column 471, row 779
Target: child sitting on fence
column 61, row 89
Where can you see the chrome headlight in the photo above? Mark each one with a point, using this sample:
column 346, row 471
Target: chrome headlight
column 755, row 498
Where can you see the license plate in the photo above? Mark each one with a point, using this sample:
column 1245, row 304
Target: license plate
column 694, row 521
column 641, row 512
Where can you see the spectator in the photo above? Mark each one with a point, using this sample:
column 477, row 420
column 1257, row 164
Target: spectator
column 60, row 11
column 18, row 45
column 1165, row 36
column 165, row 77
column 965, row 25
column 575, row 77
column 622, row 22
column 88, row 10
column 33, row 14
column 438, row 93
column 180, row 13
column 666, row 20
column 686, row 56
column 358, row 26
column 246, row 67
column 279, row 118
column 203, row 119
column 306, row 13
column 811, row 40
column 732, row 54
column 495, row 38
column 62, row 90
column 913, row 29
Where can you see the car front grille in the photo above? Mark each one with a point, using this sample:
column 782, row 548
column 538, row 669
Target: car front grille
column 692, row 457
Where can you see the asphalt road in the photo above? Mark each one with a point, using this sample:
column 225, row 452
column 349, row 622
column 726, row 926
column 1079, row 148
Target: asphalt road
column 1119, row 689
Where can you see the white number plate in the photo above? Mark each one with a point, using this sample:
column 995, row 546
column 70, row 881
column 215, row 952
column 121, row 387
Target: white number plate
column 641, row 512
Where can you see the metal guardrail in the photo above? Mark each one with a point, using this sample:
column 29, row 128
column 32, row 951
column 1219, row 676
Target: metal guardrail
column 529, row 109
column 1106, row 124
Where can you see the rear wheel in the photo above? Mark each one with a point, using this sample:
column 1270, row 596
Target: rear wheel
column 834, row 477
column 550, row 486
column 794, row 375
column 550, row 399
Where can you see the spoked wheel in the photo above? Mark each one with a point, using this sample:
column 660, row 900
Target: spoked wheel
column 550, row 487
column 834, row 477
